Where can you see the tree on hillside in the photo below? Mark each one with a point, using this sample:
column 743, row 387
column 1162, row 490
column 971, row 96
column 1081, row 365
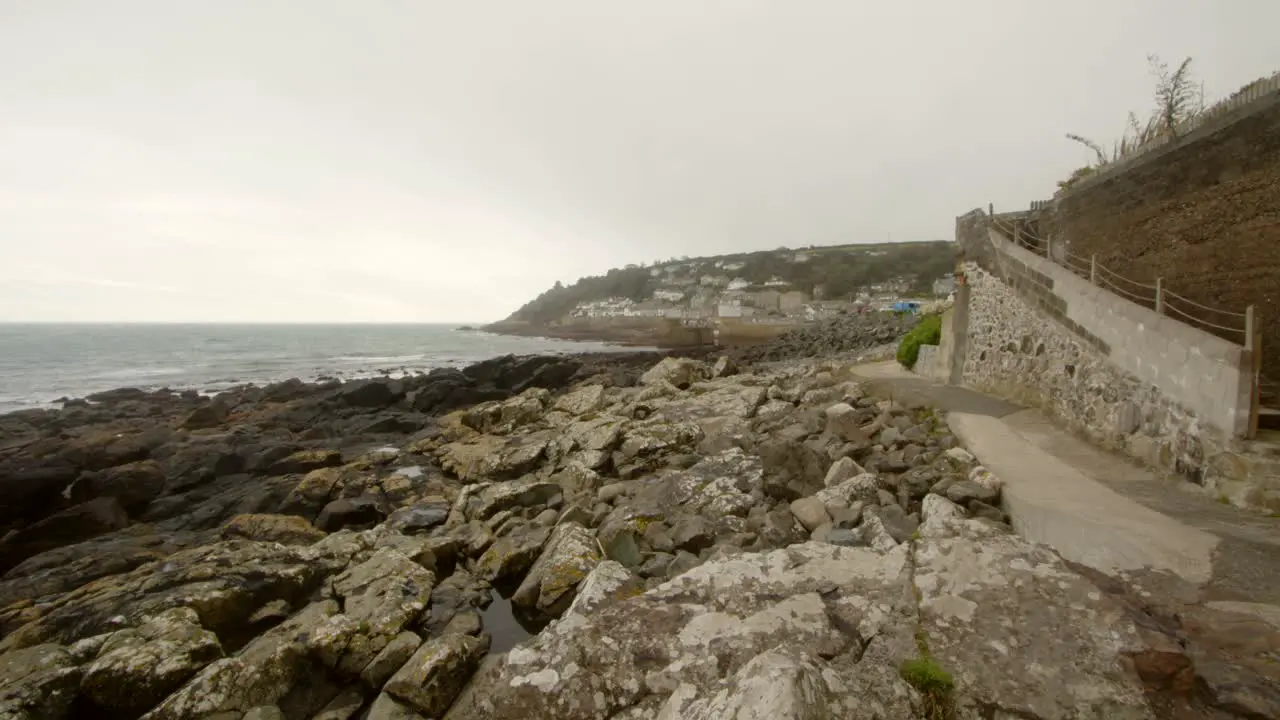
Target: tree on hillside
column 1178, row 99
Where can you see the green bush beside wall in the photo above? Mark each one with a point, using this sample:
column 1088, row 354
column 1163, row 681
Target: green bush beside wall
column 928, row 332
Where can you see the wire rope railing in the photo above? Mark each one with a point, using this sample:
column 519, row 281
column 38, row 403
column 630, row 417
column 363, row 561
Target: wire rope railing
column 1241, row 327
column 1232, row 325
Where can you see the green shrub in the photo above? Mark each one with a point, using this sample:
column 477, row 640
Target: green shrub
column 934, row 684
column 927, row 332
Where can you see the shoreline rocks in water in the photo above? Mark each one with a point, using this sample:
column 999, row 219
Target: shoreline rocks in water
column 688, row 539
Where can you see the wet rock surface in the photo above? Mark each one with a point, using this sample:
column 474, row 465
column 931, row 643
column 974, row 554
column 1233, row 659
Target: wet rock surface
column 564, row 538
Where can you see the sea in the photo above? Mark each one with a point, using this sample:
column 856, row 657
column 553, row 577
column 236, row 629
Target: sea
column 43, row 363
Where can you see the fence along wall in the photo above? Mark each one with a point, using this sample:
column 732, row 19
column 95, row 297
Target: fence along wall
column 1119, row 374
column 1208, row 375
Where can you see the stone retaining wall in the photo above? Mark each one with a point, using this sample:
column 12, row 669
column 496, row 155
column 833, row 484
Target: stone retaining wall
column 1111, row 371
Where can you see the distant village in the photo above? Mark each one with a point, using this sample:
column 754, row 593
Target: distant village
column 702, row 292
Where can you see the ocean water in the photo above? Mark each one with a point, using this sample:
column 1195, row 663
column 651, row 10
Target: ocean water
column 40, row 363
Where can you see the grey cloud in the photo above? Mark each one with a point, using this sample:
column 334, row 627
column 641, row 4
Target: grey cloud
column 433, row 160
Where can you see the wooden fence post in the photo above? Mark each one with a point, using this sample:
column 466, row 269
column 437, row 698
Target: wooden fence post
column 1048, row 247
column 1250, row 325
column 1093, row 269
column 1160, row 295
column 1253, row 350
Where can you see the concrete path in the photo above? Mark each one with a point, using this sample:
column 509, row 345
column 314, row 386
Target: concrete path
column 1097, row 508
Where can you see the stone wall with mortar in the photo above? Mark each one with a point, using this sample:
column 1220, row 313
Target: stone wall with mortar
column 1097, row 367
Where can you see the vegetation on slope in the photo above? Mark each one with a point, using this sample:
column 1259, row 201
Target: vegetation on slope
column 1178, row 100
column 928, row 332
column 840, row 270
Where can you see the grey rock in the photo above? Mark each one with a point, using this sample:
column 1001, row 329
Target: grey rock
column 612, row 491
column 845, row 537
column 419, row 518
column 724, row 367
column 359, row 512
column 982, row 510
column 342, row 707
column 693, row 534
column 683, row 562
column 845, row 516
column 381, row 596
column 618, row 539
column 465, row 623
column 810, row 512
column 655, row 565
column 38, row 682
column 964, row 491
column 390, row 659
column 510, row 495
column 884, row 497
column 899, row 525
column 271, row 712
column 136, row 669
column 566, row 560
column 386, row 707
column 512, row 555
column 437, row 672
column 842, row 470
column 889, row 437
column 260, row 674
column 608, row 583
column 658, row 538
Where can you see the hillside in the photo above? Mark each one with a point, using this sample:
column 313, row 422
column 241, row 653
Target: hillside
column 831, row 274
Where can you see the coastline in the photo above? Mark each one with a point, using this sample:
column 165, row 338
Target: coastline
column 378, row 545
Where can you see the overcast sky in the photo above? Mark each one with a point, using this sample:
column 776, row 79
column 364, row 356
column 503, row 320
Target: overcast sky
column 423, row 160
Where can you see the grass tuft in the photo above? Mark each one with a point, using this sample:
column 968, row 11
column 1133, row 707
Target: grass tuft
column 934, row 684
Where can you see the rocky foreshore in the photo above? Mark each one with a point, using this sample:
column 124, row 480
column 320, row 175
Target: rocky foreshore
column 699, row 540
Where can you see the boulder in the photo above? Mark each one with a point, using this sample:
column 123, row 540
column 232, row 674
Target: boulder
column 372, row 393
column 261, row 674
column 845, row 422
column 437, row 672
column 358, row 512
column 680, row 372
column 724, row 366
column 209, row 415
column 488, row 457
column 418, row 518
column 595, row 439
column 226, row 581
column 505, row 416
column 385, row 707
column 618, row 539
column 609, row 582
column 966, row 491
column 581, row 401
column 380, row 597
column 842, row 470
column 80, row 522
column 134, row 484
column 304, row 461
column 810, row 512
column 510, row 556
column 136, row 669
column 390, row 659
column 510, row 495
column 774, row 685
column 287, row 529
column 693, row 533
column 569, row 556
column 818, row 630
column 792, row 470
column 38, row 682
